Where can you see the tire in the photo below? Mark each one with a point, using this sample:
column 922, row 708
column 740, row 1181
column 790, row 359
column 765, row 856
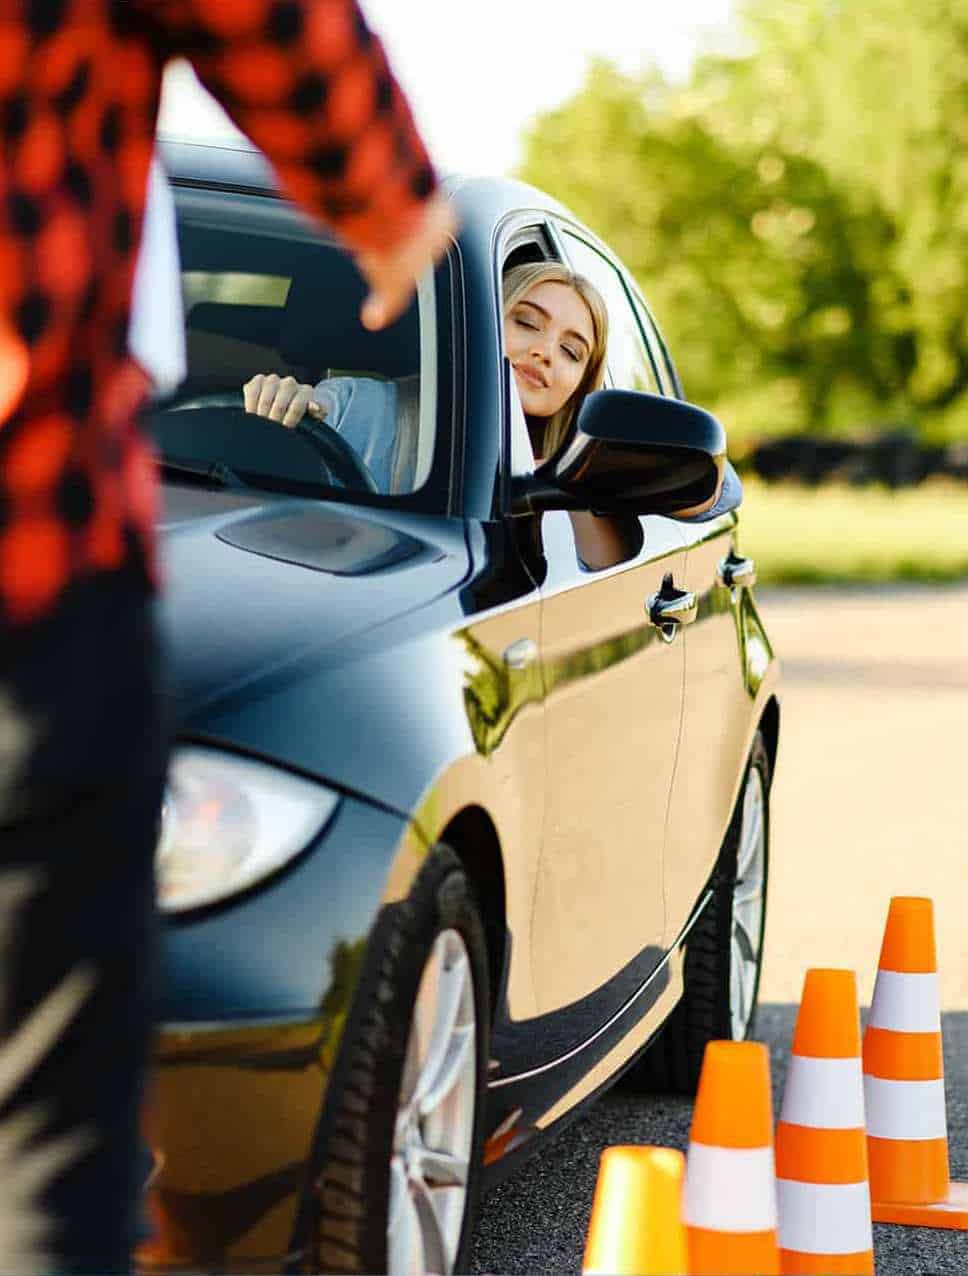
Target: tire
column 435, row 928
column 705, row 1012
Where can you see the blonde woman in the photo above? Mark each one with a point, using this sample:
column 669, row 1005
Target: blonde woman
column 555, row 337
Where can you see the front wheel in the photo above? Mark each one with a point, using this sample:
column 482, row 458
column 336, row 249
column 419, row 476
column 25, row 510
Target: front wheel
column 724, row 949
column 400, row 1167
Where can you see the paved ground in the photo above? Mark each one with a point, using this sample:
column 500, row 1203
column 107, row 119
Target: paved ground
column 537, row 1221
column 871, row 792
column 870, row 800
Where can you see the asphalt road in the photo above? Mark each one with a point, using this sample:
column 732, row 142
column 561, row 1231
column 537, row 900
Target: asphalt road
column 870, row 800
column 537, row 1221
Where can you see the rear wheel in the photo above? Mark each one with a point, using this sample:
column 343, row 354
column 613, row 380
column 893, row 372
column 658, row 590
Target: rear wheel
column 398, row 1182
column 724, row 950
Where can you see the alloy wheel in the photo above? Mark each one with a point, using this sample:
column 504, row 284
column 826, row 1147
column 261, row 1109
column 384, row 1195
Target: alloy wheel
column 747, row 924
column 430, row 1163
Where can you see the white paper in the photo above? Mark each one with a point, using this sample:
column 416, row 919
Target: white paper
column 156, row 332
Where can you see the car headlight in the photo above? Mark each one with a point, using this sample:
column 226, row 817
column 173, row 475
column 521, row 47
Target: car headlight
column 227, row 822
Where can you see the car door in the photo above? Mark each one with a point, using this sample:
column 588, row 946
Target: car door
column 715, row 720
column 715, row 710
column 613, row 702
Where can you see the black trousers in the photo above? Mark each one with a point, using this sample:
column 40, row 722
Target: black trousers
column 83, row 753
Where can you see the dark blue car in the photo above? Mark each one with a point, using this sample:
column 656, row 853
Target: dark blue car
column 463, row 821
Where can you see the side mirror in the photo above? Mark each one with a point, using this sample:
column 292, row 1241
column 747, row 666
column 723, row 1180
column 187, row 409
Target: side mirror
column 632, row 451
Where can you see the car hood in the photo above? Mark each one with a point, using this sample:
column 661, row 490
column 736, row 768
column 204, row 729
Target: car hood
column 253, row 583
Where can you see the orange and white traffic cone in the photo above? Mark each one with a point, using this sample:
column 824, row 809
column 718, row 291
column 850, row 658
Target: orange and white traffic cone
column 636, row 1225
column 821, row 1146
column 729, row 1200
column 907, row 1132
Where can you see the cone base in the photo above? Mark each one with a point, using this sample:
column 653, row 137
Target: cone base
column 732, row 1253
column 794, row 1262
column 952, row 1212
column 909, row 1170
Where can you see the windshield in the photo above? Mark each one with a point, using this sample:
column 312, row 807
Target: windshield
column 267, row 297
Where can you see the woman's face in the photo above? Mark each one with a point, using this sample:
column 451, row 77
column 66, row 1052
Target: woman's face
column 548, row 336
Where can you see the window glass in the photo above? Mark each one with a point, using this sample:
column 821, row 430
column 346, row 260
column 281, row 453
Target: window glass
column 527, row 245
column 660, row 354
column 233, row 286
column 522, row 453
column 265, row 293
column 629, row 364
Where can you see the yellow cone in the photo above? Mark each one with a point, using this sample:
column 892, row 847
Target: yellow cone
column 636, row 1225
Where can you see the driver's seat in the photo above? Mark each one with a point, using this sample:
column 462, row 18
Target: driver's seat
column 375, row 410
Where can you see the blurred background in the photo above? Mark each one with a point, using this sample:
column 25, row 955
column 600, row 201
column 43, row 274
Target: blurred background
column 789, row 183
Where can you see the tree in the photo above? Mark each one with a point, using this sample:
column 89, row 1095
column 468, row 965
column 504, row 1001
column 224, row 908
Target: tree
column 797, row 242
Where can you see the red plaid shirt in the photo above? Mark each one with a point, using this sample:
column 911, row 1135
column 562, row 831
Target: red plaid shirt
column 79, row 89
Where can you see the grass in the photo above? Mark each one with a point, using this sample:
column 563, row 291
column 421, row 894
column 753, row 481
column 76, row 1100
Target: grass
column 839, row 534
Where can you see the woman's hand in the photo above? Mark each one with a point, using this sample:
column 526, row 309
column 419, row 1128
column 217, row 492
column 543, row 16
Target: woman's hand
column 282, row 399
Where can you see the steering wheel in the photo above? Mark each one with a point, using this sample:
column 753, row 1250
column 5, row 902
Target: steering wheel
column 340, row 460
column 338, row 456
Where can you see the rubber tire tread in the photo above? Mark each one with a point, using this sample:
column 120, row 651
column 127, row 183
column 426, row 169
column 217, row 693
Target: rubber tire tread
column 673, row 1061
column 352, row 1181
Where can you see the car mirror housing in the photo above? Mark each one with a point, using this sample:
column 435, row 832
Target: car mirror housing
column 632, row 451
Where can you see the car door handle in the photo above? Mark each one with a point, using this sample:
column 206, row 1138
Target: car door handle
column 736, row 572
column 670, row 607
column 520, row 654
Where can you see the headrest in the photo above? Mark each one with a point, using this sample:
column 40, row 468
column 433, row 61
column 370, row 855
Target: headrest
column 255, row 324
column 321, row 326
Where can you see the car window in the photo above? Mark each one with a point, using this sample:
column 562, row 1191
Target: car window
column 264, row 293
column 660, row 354
column 629, row 364
column 528, row 243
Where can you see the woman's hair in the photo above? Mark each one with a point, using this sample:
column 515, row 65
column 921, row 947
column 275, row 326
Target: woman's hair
column 519, row 280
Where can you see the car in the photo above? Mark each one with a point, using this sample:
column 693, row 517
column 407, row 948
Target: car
column 460, row 826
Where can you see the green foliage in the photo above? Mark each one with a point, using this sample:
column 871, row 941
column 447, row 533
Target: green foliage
column 797, row 214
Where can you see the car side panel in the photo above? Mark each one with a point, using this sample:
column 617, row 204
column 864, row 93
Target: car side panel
column 723, row 700
column 504, row 774
column 614, row 691
column 524, row 1109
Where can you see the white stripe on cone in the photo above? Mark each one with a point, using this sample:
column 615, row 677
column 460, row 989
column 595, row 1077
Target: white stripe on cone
column 730, row 1189
column 825, row 1218
column 827, row 1094
column 905, row 1109
column 905, row 1003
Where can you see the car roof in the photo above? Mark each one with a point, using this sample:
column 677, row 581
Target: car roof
column 481, row 202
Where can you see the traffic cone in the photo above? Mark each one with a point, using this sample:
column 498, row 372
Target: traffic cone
column 636, row 1226
column 821, row 1148
column 729, row 1200
column 907, row 1132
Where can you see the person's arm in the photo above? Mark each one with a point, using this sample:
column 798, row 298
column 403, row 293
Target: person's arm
column 730, row 498
column 309, row 83
column 603, row 540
